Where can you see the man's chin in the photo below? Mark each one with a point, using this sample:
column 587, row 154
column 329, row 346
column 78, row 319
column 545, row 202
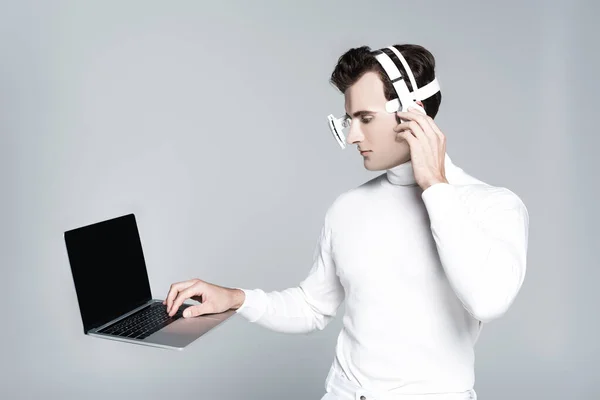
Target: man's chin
column 370, row 166
column 373, row 165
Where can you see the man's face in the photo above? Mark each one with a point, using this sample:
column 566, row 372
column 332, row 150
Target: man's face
column 371, row 126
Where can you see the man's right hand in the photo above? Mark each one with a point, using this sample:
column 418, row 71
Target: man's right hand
column 214, row 299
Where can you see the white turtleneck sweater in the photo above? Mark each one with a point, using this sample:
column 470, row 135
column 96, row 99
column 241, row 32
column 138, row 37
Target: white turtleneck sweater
column 420, row 271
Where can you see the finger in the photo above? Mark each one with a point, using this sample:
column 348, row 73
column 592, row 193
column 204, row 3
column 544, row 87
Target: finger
column 197, row 310
column 409, row 115
column 175, row 289
column 414, row 127
column 183, row 296
column 401, row 127
column 431, row 123
column 406, row 125
column 413, row 114
column 436, row 129
column 408, row 136
column 420, row 119
column 437, row 140
column 429, row 135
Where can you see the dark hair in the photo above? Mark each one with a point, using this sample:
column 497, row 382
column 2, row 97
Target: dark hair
column 353, row 64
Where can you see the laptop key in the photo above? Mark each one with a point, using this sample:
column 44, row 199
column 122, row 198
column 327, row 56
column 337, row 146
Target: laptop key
column 144, row 323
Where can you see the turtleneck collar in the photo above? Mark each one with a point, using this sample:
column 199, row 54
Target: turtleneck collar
column 403, row 175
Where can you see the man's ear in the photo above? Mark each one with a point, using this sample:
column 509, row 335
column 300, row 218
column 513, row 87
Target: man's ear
column 419, row 102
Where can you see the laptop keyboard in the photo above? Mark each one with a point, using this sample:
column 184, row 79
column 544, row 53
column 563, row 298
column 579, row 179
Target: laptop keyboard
column 145, row 322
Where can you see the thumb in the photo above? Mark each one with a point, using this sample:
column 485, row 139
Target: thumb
column 194, row 311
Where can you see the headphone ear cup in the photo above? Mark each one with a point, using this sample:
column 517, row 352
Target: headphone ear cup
column 421, row 109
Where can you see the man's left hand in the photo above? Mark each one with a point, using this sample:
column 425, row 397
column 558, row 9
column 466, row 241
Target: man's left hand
column 427, row 146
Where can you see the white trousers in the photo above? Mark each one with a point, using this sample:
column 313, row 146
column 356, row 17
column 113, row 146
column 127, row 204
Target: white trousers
column 338, row 387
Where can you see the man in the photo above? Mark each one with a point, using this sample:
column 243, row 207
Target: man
column 423, row 254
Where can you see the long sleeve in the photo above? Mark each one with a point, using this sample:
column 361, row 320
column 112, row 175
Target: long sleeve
column 305, row 308
column 482, row 238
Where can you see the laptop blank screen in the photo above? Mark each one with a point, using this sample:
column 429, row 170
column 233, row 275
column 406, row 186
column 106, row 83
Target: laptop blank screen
column 108, row 269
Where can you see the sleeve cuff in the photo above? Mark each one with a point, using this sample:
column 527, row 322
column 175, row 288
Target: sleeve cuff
column 254, row 305
column 440, row 200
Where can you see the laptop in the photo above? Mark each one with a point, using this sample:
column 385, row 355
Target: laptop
column 113, row 291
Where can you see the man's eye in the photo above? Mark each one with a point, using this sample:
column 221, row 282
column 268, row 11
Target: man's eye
column 365, row 120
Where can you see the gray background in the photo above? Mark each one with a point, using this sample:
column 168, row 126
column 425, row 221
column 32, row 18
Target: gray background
column 207, row 119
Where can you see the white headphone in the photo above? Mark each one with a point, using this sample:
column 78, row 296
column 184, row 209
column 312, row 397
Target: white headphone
column 405, row 98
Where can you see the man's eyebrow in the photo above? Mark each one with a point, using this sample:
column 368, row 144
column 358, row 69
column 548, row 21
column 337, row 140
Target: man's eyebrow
column 361, row 113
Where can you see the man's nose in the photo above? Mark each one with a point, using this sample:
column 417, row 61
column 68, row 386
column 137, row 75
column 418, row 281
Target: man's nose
column 354, row 134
